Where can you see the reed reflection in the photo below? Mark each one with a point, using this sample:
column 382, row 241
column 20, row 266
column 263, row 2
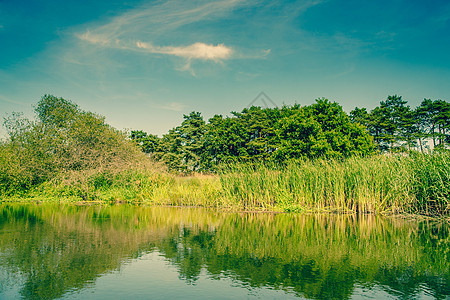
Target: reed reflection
column 53, row 249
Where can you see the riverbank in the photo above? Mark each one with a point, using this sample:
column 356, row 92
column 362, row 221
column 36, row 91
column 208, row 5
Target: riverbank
column 389, row 184
column 70, row 155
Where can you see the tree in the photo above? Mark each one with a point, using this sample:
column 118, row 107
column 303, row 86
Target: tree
column 256, row 134
column 53, row 111
column 395, row 112
column 442, row 120
column 181, row 148
column 225, row 140
column 192, row 131
column 149, row 143
column 410, row 128
column 62, row 139
column 300, row 135
column 391, row 123
column 361, row 116
column 344, row 137
column 434, row 119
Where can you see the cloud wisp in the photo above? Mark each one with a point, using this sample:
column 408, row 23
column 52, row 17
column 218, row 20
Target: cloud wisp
column 195, row 51
column 200, row 51
column 127, row 31
column 98, row 39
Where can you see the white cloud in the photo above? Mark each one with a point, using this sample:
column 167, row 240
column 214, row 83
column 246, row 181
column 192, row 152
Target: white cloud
column 93, row 38
column 156, row 22
column 195, row 51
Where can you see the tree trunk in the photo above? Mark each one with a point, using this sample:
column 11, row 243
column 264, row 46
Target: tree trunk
column 434, row 137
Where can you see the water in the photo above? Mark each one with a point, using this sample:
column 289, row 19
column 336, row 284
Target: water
column 120, row 252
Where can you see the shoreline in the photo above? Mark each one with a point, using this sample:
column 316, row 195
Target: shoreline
column 254, row 210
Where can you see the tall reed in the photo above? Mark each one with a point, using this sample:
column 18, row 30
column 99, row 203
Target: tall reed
column 413, row 183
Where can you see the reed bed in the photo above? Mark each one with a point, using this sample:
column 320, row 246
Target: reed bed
column 138, row 186
column 413, row 183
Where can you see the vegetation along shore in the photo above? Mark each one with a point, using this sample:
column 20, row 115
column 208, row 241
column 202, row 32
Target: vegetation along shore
column 393, row 159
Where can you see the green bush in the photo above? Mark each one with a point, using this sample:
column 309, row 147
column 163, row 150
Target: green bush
column 63, row 138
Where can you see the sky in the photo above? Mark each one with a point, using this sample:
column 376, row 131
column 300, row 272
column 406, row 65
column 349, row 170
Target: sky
column 143, row 64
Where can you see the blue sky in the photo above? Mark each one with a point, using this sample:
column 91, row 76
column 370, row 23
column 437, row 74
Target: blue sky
column 143, row 64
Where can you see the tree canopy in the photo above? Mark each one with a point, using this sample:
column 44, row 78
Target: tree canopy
column 62, row 138
column 257, row 134
column 322, row 129
column 395, row 125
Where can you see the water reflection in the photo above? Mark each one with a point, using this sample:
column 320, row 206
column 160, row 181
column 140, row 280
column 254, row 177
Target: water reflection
column 48, row 250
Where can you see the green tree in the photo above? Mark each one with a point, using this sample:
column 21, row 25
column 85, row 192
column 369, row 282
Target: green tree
column 224, row 141
column 392, row 123
column 149, row 143
column 442, row 120
column 258, row 131
column 300, row 135
column 361, row 116
column 192, row 131
column 395, row 111
column 56, row 112
column 434, row 119
column 62, row 138
column 409, row 130
column 181, row 148
column 256, row 134
column 344, row 137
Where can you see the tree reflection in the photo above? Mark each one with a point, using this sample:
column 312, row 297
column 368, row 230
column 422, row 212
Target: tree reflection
column 57, row 249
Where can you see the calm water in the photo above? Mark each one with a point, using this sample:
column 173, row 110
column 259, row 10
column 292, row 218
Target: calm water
column 120, row 252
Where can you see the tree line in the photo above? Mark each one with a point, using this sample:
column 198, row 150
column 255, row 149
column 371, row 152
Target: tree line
column 395, row 125
column 322, row 129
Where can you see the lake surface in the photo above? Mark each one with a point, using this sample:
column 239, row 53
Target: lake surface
column 119, row 252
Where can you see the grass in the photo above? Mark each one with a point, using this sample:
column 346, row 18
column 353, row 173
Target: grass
column 407, row 184
column 416, row 183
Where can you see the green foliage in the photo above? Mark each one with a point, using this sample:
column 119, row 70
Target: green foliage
column 395, row 125
column 294, row 158
column 248, row 136
column 62, row 139
column 149, row 143
column 393, row 183
column 255, row 134
column 360, row 115
column 321, row 130
column 434, row 121
column 180, row 148
column 56, row 112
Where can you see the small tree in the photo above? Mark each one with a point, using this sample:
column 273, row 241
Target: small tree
column 62, row 139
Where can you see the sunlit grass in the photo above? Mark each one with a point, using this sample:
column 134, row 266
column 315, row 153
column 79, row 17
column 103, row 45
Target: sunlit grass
column 384, row 183
column 415, row 183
